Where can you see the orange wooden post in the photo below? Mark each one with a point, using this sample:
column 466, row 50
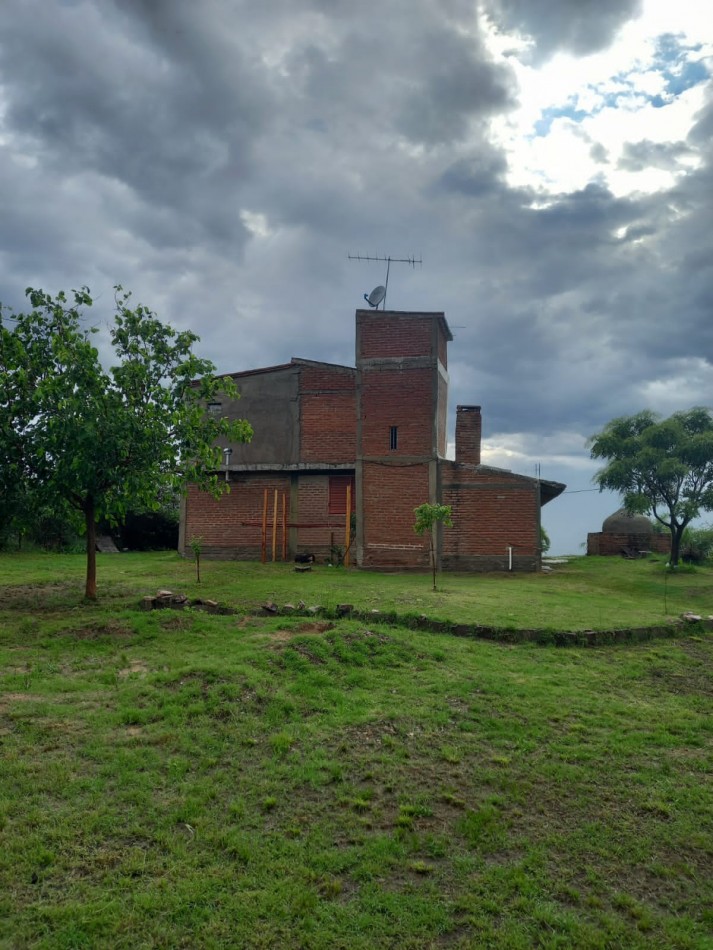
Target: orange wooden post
column 263, row 555
column 348, row 526
column 284, row 527
column 274, row 527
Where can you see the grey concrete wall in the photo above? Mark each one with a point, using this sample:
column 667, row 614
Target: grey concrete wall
column 270, row 403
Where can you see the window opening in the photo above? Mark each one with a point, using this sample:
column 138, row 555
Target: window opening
column 394, row 437
column 338, row 494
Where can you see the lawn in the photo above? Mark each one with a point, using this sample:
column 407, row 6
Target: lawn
column 176, row 779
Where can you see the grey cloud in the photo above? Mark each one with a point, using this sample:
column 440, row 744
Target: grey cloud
column 638, row 156
column 582, row 27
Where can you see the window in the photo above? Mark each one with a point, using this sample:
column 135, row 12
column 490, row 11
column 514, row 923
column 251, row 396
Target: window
column 338, row 494
column 394, row 438
column 215, row 408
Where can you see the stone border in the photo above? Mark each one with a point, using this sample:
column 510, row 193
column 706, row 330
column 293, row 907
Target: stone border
column 688, row 622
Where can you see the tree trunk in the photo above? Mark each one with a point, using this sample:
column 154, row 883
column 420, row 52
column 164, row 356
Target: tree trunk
column 676, row 535
column 433, row 559
column 90, row 591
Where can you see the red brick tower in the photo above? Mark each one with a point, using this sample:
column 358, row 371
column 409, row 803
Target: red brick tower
column 402, row 396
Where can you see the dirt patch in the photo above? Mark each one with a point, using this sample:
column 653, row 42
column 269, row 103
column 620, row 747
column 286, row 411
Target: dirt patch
column 284, row 636
column 22, row 698
column 134, row 668
column 177, row 622
column 32, row 595
column 318, row 627
column 92, row 631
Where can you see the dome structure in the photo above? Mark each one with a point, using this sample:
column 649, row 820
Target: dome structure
column 621, row 522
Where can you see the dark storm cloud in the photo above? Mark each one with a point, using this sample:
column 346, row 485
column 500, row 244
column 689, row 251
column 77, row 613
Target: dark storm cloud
column 580, row 26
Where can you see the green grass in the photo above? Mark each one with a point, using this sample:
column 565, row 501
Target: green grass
column 586, row 593
column 175, row 779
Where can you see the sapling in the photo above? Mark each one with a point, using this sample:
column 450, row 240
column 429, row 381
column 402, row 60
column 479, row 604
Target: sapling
column 427, row 517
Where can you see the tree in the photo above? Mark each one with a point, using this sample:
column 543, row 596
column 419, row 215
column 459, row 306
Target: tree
column 661, row 466
column 427, row 517
column 71, row 432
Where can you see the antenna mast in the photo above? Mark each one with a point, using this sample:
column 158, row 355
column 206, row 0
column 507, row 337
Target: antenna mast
column 388, row 260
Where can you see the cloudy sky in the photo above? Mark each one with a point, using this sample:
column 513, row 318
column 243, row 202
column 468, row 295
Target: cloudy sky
column 548, row 160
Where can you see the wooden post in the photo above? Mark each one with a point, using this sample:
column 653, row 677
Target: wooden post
column 274, row 527
column 348, row 526
column 263, row 556
column 284, row 527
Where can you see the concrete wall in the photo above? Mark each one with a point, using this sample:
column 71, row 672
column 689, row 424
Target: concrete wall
column 269, row 400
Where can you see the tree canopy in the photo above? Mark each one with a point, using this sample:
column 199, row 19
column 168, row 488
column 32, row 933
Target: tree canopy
column 102, row 441
column 660, row 466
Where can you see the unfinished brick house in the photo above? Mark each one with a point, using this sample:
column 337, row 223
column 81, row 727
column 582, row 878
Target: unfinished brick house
column 376, row 435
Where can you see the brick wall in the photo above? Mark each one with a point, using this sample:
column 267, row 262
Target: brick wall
column 399, row 385
column 219, row 521
column 384, row 333
column 399, row 397
column 491, row 510
column 610, row 544
column 327, row 414
column 468, row 434
column 442, row 412
column 390, row 495
column 313, row 508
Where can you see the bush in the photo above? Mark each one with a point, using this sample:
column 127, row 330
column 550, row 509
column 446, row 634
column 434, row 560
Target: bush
column 697, row 544
column 149, row 530
column 544, row 540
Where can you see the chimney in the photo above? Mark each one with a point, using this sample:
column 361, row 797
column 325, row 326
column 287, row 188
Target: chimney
column 468, row 431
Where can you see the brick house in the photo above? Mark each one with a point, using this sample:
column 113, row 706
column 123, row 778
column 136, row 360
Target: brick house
column 375, row 434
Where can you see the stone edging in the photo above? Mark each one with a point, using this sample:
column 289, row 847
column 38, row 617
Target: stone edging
column 688, row 622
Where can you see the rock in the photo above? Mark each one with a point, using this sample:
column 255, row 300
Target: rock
column 288, row 608
column 147, row 603
column 315, row 610
column 269, row 608
column 344, row 609
column 690, row 617
column 301, row 605
column 164, row 593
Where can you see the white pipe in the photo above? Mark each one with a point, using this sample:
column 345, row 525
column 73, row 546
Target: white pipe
column 509, row 557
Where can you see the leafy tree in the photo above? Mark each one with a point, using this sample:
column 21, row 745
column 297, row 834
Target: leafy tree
column 101, row 441
column 661, row 466
column 544, row 540
column 427, row 517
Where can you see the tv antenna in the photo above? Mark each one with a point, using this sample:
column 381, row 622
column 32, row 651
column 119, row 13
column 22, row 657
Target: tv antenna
column 376, row 297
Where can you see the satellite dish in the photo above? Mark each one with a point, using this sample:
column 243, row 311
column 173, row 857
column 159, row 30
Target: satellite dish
column 376, row 296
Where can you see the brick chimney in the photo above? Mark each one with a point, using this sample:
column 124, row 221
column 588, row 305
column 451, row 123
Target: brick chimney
column 468, row 432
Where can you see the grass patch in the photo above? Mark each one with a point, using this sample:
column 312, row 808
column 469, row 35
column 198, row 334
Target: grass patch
column 183, row 779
